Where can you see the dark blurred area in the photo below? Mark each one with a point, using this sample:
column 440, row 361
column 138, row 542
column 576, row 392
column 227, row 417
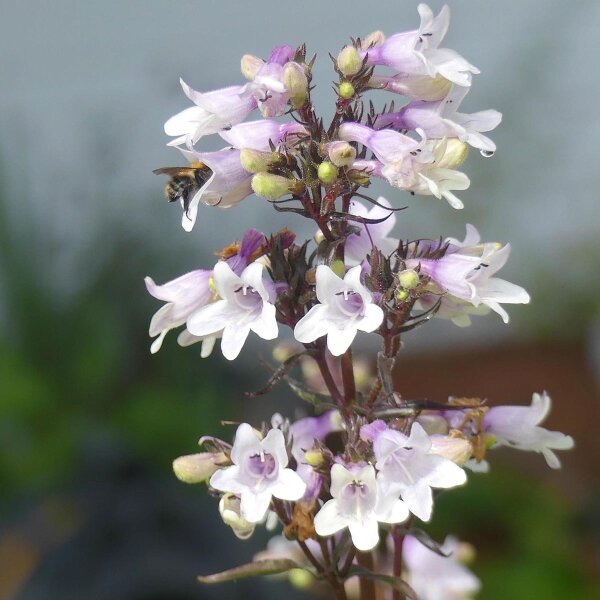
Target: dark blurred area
column 90, row 421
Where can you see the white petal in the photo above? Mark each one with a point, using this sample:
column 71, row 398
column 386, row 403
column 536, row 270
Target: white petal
column 328, row 284
column 372, row 319
column 254, row 505
column 208, row 343
column 210, row 319
column 234, row 337
column 445, row 473
column 340, row 477
column 419, row 438
column 419, row 499
column 265, row 326
column 274, row 444
column 246, row 441
column 289, row 486
column 313, row 325
column 329, row 520
column 365, row 535
column 227, row 480
column 339, row 340
column 226, row 281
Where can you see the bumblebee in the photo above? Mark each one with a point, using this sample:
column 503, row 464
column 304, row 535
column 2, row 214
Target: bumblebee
column 184, row 182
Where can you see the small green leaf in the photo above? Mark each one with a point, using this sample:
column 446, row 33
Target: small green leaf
column 253, row 569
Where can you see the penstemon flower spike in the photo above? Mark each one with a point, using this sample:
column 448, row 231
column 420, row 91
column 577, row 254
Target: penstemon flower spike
column 369, row 461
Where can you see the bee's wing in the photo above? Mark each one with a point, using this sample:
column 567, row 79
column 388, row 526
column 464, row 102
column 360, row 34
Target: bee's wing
column 172, row 171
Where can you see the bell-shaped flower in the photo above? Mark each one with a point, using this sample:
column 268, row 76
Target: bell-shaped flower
column 518, row 427
column 407, row 164
column 408, row 467
column 257, row 135
column 369, row 236
column 183, row 296
column 359, row 502
column 213, row 112
column 259, row 473
column 228, row 185
column 346, row 306
column 436, row 577
column 441, row 119
column 244, row 306
column 417, row 53
column 465, row 274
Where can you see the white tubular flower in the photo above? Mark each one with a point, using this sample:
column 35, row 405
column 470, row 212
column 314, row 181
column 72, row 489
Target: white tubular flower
column 183, row 296
column 518, row 427
column 435, row 577
column 465, row 273
column 229, row 508
column 214, row 111
column 346, row 306
column 244, row 307
column 433, row 180
column 360, row 502
column 358, row 245
column 407, row 466
column 258, row 473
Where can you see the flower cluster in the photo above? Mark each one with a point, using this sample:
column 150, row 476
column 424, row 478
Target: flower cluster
column 370, row 462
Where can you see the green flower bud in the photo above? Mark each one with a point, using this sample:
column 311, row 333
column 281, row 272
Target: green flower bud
column 314, row 457
column 360, row 177
column 338, row 267
column 296, row 82
column 196, row 468
column 327, row 172
column 408, row 279
column 250, row 66
column 346, row 90
column 348, row 61
column 300, row 578
column 255, row 161
column 271, row 187
column 401, row 295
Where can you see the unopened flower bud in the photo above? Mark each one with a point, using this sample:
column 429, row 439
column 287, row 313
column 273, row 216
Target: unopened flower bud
column 300, row 578
column 465, row 553
column 314, row 457
column 327, row 172
column 296, row 83
column 360, row 177
column 349, row 61
column 454, row 154
column 341, row 154
column 251, row 65
column 408, row 279
column 196, row 468
column 401, row 295
column 433, row 424
column 338, row 267
column 283, row 351
column 229, row 507
column 346, row 90
column 457, row 449
column 271, row 187
column 373, row 40
column 256, row 161
column 211, row 285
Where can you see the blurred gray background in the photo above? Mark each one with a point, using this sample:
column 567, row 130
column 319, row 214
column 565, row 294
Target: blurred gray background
column 90, row 421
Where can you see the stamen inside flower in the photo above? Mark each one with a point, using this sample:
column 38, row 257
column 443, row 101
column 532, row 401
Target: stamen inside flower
column 248, row 298
column 262, row 465
column 350, row 303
